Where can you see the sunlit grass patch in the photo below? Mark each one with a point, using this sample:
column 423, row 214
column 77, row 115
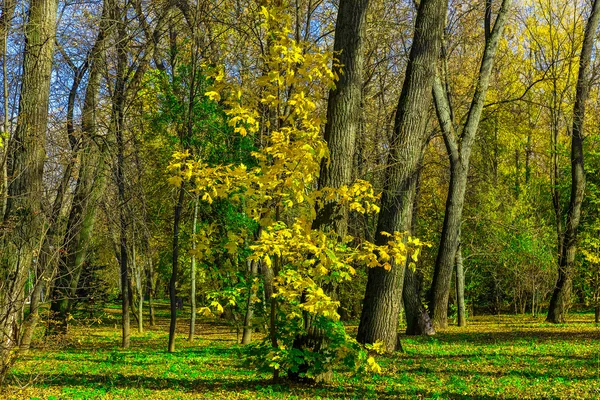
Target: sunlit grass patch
column 503, row 357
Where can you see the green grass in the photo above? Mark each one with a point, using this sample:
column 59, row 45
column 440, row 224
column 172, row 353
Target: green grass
column 493, row 358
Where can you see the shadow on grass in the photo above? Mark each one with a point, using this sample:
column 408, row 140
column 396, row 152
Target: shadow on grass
column 518, row 335
column 256, row 388
column 525, row 373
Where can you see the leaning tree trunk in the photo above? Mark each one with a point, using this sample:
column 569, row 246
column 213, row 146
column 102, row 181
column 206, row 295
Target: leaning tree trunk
column 459, row 152
column 561, row 296
column 381, row 306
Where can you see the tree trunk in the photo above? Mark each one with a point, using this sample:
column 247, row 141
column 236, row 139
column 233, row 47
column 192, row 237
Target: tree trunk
column 247, row 334
column 8, row 10
column 343, row 111
column 459, row 152
column 341, row 129
column 140, row 292
column 151, row 288
column 173, row 280
column 418, row 321
column 193, row 274
column 460, row 289
column 561, row 297
column 23, row 229
column 379, row 318
column 45, row 259
column 118, row 123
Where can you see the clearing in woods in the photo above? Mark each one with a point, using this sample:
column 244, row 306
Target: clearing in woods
column 495, row 357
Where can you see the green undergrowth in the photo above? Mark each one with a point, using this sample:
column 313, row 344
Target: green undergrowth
column 495, row 357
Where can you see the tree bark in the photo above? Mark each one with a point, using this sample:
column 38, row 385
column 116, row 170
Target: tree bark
column 561, row 296
column 45, row 259
column 381, row 306
column 459, row 152
column 23, row 229
column 418, row 321
column 343, row 111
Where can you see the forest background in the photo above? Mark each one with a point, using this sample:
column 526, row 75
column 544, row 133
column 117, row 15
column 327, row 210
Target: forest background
column 289, row 167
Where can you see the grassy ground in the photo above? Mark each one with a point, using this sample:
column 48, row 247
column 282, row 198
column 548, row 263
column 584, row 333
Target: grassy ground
column 493, row 358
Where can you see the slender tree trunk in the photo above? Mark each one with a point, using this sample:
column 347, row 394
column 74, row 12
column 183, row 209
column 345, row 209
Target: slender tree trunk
column 460, row 288
column 151, row 286
column 140, row 292
column 247, row 334
column 173, row 280
column 561, row 297
column 459, row 152
column 193, row 274
column 118, row 118
column 8, row 10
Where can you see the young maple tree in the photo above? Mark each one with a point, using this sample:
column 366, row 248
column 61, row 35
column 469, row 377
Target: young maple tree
column 280, row 194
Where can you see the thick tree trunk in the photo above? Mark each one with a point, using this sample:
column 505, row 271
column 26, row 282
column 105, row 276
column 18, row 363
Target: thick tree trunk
column 173, row 280
column 343, row 111
column 341, row 129
column 379, row 318
column 561, row 296
column 45, row 261
column 459, row 152
column 23, row 217
column 193, row 275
